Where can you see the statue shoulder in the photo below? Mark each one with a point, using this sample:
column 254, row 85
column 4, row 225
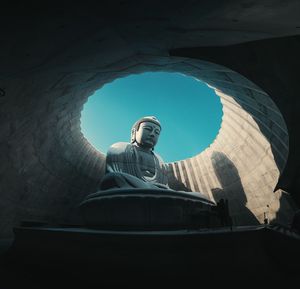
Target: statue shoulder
column 159, row 158
column 118, row 148
column 117, row 157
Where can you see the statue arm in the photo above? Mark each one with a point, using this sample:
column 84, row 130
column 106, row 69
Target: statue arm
column 115, row 158
column 162, row 186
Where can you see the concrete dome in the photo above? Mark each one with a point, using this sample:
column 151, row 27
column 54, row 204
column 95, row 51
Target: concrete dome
column 53, row 59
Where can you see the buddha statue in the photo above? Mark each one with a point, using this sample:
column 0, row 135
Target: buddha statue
column 134, row 192
column 135, row 164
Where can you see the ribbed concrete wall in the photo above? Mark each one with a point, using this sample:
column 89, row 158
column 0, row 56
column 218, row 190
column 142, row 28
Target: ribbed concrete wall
column 245, row 160
column 46, row 165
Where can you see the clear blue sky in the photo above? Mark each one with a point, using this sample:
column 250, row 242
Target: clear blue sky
column 190, row 112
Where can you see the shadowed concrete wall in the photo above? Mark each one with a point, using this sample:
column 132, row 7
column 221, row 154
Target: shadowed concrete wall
column 53, row 58
column 244, row 162
column 240, row 164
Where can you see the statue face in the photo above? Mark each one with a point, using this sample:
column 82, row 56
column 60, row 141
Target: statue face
column 147, row 134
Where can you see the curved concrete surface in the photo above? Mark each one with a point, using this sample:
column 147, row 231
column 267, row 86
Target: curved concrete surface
column 52, row 58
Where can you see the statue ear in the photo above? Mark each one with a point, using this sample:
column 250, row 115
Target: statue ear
column 133, row 131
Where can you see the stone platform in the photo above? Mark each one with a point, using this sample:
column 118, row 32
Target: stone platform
column 93, row 257
column 148, row 209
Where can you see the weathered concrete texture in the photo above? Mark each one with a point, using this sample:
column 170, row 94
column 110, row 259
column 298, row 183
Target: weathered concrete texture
column 273, row 65
column 53, row 57
column 244, row 162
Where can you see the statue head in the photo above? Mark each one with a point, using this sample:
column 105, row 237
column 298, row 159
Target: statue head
column 145, row 132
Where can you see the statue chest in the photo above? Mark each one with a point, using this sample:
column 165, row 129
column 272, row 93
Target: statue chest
column 146, row 163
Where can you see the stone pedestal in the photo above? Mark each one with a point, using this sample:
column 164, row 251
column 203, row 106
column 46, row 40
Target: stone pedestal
column 148, row 209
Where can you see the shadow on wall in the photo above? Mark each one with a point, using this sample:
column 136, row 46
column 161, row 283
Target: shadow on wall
column 176, row 184
column 232, row 190
column 244, row 92
column 284, row 210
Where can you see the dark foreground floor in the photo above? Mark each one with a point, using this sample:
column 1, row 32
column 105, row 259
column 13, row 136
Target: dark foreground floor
column 82, row 258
